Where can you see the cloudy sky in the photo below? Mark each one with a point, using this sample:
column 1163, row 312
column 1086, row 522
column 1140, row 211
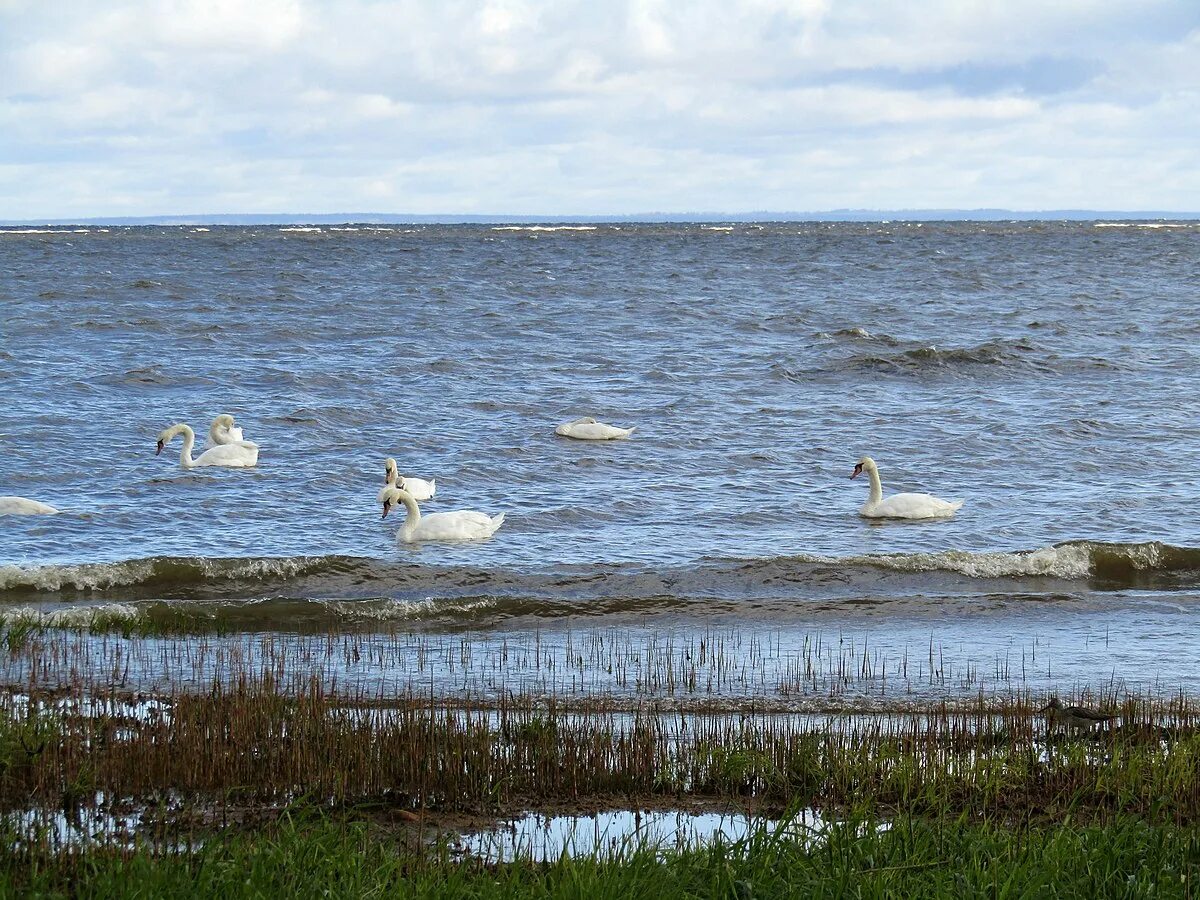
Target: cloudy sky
column 144, row 107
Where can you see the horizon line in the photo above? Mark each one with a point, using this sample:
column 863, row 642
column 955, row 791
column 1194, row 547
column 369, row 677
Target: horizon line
column 847, row 214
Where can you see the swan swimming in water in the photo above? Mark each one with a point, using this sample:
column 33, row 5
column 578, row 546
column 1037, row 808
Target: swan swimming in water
column 464, row 525
column 418, row 487
column 588, row 429
column 222, row 431
column 21, row 506
column 239, row 455
column 900, row 506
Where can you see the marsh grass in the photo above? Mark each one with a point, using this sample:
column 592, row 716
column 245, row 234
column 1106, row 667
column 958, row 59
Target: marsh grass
column 349, row 765
column 263, row 741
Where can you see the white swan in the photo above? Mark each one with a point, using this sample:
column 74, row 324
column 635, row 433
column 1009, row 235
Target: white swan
column 900, row 506
column 222, row 431
column 464, row 525
column 588, row 429
column 241, row 455
column 20, row 506
column 418, row 487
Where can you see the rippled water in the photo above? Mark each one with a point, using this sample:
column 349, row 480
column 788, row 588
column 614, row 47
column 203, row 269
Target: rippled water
column 1045, row 373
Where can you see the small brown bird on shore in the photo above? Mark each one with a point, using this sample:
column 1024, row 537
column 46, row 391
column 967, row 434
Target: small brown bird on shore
column 1076, row 718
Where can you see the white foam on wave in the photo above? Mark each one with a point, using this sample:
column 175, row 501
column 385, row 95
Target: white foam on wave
column 101, row 576
column 32, row 231
column 83, row 577
column 395, row 609
column 300, row 228
column 1144, row 225
column 1068, row 561
column 716, row 228
column 544, row 228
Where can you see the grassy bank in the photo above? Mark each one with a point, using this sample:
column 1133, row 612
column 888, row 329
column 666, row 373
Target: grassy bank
column 325, row 858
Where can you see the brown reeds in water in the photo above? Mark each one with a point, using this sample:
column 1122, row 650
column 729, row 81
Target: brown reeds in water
column 261, row 742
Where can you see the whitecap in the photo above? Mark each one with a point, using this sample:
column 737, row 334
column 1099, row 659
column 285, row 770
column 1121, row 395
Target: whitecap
column 544, row 228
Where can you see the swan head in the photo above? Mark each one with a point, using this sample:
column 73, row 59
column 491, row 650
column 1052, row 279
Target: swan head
column 389, row 469
column 392, row 496
column 225, row 420
column 166, row 436
column 866, row 464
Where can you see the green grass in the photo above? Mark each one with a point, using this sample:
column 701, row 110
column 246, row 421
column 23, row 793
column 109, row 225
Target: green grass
column 317, row 857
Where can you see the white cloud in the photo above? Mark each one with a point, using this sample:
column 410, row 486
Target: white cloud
column 146, row 106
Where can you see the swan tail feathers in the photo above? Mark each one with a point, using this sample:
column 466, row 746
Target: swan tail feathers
column 497, row 521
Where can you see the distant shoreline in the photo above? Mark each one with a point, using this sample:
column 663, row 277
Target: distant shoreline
column 836, row 215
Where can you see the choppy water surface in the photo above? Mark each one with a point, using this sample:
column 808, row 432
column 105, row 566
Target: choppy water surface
column 1046, row 373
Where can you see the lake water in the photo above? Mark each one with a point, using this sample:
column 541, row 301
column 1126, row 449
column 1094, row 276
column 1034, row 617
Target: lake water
column 1045, row 373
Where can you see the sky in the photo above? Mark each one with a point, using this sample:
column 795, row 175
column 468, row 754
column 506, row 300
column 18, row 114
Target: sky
column 595, row 107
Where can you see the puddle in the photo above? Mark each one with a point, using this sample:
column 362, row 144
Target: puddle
column 97, row 822
column 84, row 826
column 546, row 838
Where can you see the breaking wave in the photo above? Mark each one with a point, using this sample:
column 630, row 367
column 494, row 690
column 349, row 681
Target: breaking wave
column 348, row 577
column 163, row 573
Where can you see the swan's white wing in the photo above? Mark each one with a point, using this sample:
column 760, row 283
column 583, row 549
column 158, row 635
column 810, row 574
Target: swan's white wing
column 913, row 506
column 240, row 455
column 594, row 431
column 463, row 525
column 420, row 488
column 21, row 506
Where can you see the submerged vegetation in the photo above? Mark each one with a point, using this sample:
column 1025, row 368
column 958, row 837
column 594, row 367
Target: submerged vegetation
column 717, row 664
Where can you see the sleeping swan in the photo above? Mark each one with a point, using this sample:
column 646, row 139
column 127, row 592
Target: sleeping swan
column 222, row 431
column 588, row 429
column 239, row 455
column 20, row 506
column 900, row 506
column 465, row 525
column 418, row 487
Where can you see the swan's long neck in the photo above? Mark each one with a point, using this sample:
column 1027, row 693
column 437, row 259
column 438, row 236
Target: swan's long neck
column 189, row 441
column 414, row 513
column 876, row 485
column 214, row 432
